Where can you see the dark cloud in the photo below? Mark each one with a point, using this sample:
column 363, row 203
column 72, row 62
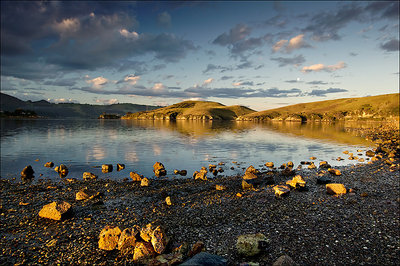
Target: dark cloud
column 226, row 77
column 39, row 36
column 293, row 81
column 61, row 82
column 159, row 67
column 353, row 54
column 391, row 46
column 138, row 67
column 317, row 82
column 236, row 34
column 284, row 61
column 244, row 65
column 326, row 25
column 212, row 67
column 323, row 93
column 211, row 53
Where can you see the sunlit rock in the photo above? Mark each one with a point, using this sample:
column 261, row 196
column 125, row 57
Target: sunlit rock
column 27, row 172
column 107, row 168
column 251, row 245
column 159, row 169
column 145, row 182
column 335, row 189
column 62, row 170
column 158, row 239
column 89, row 176
column 49, row 164
column 120, row 166
column 108, row 238
column 57, row 210
column 281, row 190
column 135, row 177
column 86, row 194
column 333, row 171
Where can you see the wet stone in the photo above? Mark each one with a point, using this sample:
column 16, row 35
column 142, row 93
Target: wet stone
column 159, row 169
column 269, row 164
column 86, row 194
column 49, row 164
column 205, row 258
column 158, row 239
column 62, row 170
column 281, row 190
column 135, row 177
column 145, row 182
column 324, row 180
column 335, row 172
column 120, row 166
column 335, row 189
column 27, row 172
column 127, row 240
column 89, row 176
column 107, row 168
column 142, row 251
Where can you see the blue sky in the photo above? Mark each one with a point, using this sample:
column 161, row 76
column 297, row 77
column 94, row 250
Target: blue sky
column 259, row 54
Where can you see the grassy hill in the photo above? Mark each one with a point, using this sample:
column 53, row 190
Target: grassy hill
column 381, row 107
column 68, row 110
column 193, row 110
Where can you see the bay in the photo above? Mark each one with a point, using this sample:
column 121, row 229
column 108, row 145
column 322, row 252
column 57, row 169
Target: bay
column 84, row 145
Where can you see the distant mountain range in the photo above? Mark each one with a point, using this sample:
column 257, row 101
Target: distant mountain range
column 69, row 110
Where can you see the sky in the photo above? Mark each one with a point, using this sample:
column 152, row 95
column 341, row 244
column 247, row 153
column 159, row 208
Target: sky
column 261, row 54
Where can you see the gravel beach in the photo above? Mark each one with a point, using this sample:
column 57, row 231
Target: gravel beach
column 360, row 227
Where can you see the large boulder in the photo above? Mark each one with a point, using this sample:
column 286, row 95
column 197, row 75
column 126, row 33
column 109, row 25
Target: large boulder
column 145, row 182
column 159, row 169
column 251, row 245
column 49, row 164
column 296, row 182
column 27, row 172
column 120, row 166
column 335, row 189
column 108, row 238
column 57, row 210
column 251, row 173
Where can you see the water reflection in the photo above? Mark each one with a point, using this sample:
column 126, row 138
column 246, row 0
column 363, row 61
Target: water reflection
column 83, row 144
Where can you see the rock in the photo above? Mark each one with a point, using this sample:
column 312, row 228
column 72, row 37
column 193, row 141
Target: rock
column 145, row 232
column 281, row 190
column 249, row 175
column 361, row 160
column 109, row 237
column 313, row 158
column 27, row 172
column 143, row 250
column 339, row 159
column 296, row 182
column 211, row 167
column 196, row 248
column 335, row 189
column 324, row 164
column 215, row 172
column 220, row 170
column 57, row 210
column 334, row 171
column 283, row 166
column 290, row 164
column 202, row 175
column 145, row 182
column 49, row 164
column 247, row 184
column 251, row 245
column 284, row 260
column 180, row 172
column 364, row 194
column 62, row 170
column 86, row 194
column 159, row 169
column 312, row 166
column 346, row 152
column 370, row 153
column 158, row 239
column 127, row 240
column 269, row 164
column 107, row 168
column 220, row 187
column 120, row 166
column 135, row 177
column 89, row 176
column 324, row 180
column 205, row 259
column 251, row 169
column 168, row 201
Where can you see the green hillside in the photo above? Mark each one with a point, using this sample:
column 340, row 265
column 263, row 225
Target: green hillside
column 381, row 107
column 193, row 110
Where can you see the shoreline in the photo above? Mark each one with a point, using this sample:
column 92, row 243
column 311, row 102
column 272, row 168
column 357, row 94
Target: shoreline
column 312, row 227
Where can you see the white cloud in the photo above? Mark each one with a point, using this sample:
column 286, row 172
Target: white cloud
column 236, row 83
column 158, row 87
column 277, row 46
column 208, row 81
column 130, row 35
column 294, row 43
column 62, row 100
column 132, row 79
column 98, row 82
column 108, row 101
column 322, row 67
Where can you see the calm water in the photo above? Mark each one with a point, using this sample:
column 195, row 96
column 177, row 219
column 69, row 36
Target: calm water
column 84, row 145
